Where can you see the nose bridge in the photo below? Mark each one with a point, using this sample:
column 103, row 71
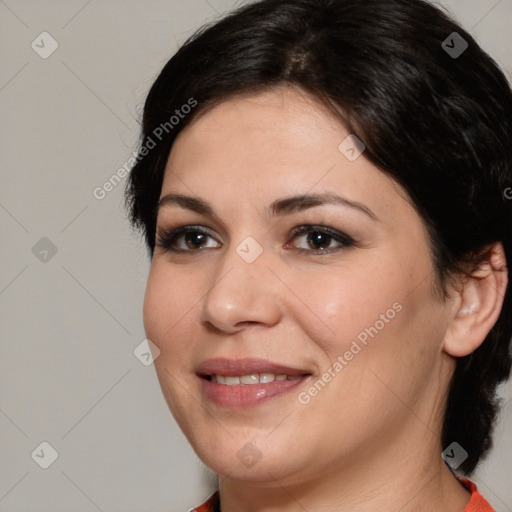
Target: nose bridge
column 244, row 289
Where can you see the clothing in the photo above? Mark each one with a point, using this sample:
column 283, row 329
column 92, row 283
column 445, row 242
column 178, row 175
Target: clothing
column 210, row 505
column 477, row 503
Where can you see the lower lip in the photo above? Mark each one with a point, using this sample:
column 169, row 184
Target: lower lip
column 247, row 395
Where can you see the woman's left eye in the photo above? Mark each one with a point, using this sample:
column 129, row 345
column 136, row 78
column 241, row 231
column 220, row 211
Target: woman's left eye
column 319, row 239
column 316, row 239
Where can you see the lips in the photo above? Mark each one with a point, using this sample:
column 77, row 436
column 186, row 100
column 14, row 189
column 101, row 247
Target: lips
column 246, row 382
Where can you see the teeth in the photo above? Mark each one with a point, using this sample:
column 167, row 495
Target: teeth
column 253, row 378
column 250, row 379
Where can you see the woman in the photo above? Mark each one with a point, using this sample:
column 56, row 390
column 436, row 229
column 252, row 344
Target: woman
column 321, row 185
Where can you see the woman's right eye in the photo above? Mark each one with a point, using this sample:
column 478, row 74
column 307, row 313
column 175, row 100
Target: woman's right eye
column 185, row 239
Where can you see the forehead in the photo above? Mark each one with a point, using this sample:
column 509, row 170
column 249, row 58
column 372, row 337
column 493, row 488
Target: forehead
column 276, row 142
column 288, row 116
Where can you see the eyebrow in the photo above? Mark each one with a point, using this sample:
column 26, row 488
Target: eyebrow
column 279, row 207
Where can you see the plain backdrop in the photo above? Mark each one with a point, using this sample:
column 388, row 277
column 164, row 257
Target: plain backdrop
column 72, row 272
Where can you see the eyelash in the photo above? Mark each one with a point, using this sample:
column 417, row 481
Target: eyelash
column 166, row 239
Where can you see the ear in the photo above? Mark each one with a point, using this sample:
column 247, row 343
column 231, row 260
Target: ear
column 477, row 304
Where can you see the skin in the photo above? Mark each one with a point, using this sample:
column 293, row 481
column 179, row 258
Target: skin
column 370, row 439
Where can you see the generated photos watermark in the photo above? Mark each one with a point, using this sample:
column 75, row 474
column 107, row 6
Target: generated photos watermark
column 355, row 348
column 151, row 141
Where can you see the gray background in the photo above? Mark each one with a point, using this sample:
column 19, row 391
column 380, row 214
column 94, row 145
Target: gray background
column 70, row 323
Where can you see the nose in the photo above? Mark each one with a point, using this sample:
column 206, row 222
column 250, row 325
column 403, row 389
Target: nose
column 242, row 293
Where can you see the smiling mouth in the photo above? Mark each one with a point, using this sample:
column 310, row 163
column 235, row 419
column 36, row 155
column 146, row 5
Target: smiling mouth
column 242, row 383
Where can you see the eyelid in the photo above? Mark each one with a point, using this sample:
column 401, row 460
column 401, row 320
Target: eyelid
column 311, row 228
column 184, row 228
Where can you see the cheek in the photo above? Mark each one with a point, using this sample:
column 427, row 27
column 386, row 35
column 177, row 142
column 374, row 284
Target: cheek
column 384, row 345
column 168, row 305
column 375, row 317
column 154, row 306
column 343, row 303
column 169, row 298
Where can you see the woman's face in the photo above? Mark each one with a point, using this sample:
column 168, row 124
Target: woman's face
column 287, row 353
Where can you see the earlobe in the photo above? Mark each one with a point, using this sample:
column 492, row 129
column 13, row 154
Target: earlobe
column 477, row 305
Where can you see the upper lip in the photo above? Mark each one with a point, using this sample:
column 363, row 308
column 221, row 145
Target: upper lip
column 239, row 367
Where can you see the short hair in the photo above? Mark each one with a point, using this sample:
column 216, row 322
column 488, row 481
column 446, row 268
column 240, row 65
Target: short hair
column 433, row 115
